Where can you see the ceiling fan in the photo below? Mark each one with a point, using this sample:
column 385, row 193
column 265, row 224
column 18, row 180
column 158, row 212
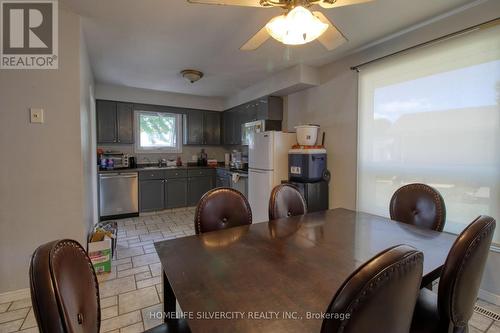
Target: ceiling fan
column 298, row 25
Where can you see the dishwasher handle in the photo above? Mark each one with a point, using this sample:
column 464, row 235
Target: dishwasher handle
column 124, row 175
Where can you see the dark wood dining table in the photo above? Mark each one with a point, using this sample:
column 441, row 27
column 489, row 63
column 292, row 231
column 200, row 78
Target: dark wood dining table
column 280, row 276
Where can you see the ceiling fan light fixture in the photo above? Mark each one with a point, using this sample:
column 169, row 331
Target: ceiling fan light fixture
column 297, row 27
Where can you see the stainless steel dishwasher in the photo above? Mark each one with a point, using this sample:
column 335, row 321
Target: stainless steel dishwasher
column 118, row 194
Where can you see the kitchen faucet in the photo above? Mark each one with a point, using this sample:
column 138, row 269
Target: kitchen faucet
column 162, row 162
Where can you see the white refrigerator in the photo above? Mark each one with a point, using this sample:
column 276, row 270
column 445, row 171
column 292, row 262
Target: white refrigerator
column 267, row 167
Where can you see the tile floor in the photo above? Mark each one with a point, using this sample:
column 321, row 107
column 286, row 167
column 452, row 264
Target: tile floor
column 133, row 289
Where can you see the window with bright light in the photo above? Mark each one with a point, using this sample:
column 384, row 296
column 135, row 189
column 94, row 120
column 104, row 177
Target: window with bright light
column 433, row 116
column 158, row 132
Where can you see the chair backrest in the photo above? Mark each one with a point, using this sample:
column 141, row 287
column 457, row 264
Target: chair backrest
column 462, row 272
column 420, row 205
column 64, row 289
column 286, row 201
column 379, row 296
column 221, row 208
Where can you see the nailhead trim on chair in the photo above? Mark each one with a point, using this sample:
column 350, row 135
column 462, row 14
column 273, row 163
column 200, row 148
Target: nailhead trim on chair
column 205, row 198
column 381, row 277
column 281, row 187
column 437, row 198
column 56, row 250
column 472, row 246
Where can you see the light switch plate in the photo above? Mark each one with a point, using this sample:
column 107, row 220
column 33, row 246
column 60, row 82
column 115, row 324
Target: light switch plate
column 36, row 116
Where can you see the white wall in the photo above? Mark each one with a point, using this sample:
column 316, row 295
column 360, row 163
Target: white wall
column 333, row 105
column 88, row 136
column 147, row 96
column 41, row 182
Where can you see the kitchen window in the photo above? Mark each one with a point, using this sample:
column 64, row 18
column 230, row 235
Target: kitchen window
column 158, row 132
column 433, row 116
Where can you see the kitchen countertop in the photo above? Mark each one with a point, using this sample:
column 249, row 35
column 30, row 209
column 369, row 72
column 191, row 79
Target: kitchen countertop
column 149, row 168
column 184, row 167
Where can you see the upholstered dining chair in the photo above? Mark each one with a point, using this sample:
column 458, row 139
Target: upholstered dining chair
column 221, row 208
column 65, row 293
column 286, row 201
column 451, row 309
column 420, row 205
column 380, row 296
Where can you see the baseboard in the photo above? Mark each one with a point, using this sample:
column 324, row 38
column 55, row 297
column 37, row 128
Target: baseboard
column 489, row 297
column 15, row 295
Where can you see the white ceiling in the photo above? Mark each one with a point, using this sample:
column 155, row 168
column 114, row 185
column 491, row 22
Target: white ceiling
column 145, row 43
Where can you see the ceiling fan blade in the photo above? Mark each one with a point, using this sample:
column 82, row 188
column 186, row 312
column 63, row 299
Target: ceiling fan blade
column 340, row 3
column 247, row 3
column 332, row 37
column 256, row 40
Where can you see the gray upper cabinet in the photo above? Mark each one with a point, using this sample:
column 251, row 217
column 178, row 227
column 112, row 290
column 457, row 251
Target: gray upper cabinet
column 227, row 126
column 193, row 127
column 125, row 122
column 265, row 108
column 237, row 122
column 211, row 128
column 106, row 121
column 250, row 112
column 115, row 122
column 269, row 108
column 232, row 120
column 202, row 127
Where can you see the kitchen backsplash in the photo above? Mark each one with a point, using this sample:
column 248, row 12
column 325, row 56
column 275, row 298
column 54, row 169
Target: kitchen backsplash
column 214, row 152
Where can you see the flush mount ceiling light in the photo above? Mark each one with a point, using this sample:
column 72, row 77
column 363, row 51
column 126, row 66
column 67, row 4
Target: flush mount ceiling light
column 191, row 75
column 298, row 25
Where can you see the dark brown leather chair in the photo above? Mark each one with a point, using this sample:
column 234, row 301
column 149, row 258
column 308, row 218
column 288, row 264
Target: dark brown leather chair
column 286, row 201
column 380, row 296
column 451, row 309
column 221, row 208
column 419, row 205
column 65, row 293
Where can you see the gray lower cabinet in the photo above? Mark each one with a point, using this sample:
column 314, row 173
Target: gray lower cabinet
column 161, row 189
column 223, row 181
column 223, row 178
column 151, row 195
column 197, row 187
column 176, row 192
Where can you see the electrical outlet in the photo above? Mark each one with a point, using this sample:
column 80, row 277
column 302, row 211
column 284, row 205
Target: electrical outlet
column 36, row 116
